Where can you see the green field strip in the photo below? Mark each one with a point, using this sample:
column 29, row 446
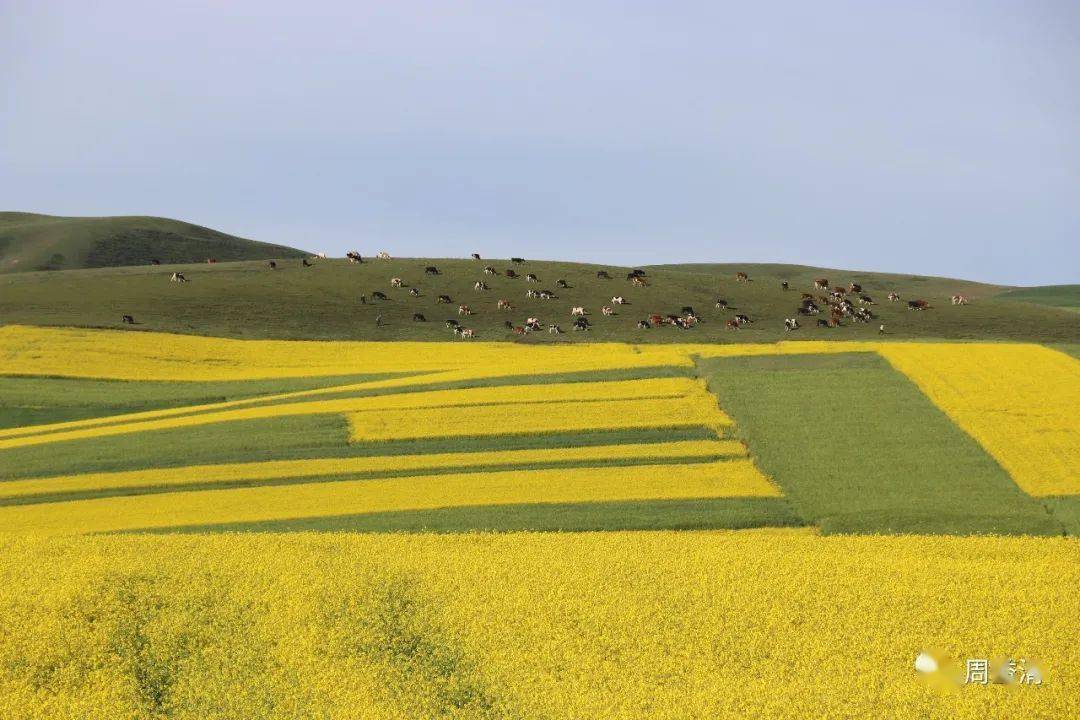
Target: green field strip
column 1066, row 508
column 857, row 448
column 56, row 497
column 704, row 514
column 28, row 401
column 286, row 438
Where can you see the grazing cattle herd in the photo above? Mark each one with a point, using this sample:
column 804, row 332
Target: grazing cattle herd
column 832, row 302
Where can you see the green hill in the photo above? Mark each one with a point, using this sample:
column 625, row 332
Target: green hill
column 248, row 299
column 1061, row 296
column 31, row 242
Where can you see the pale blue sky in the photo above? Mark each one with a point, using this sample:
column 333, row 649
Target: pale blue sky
column 932, row 137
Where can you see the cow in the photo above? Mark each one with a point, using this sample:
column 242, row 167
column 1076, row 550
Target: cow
column 488, row 270
column 519, row 330
column 854, row 288
column 508, row 325
column 467, row 333
column 656, row 319
column 742, row 277
column 917, row 304
column 721, row 304
column 687, row 310
column 618, row 300
column 670, row 319
column 178, row 277
column 581, row 324
column 415, row 292
column 397, row 282
column 603, row 275
column 306, row 262
column 731, row 325
column 476, row 256
column 127, row 320
column 211, row 261
column 643, row 325
column 432, row 270
column 959, row 300
column 784, row 285
column 517, row 261
column 504, row 305
column 510, row 273
column 383, row 255
column 577, row 310
column 452, row 324
column 444, row 300
column 532, row 324
column 547, row 295
column 562, row 284
column 155, row 261
column 554, row 330
column 464, row 310
column 821, row 284
column 864, row 315
column 823, row 323
column 378, row 295
column 354, row 257
column 866, row 300
column 837, row 293
column 419, row 317
column 743, row 320
column 807, row 311
column 640, row 281
column 272, row 265
column 894, row 297
column 791, row 324
column 480, row 286
column 607, row 310
column 529, row 277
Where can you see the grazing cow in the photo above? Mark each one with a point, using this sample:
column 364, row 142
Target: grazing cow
column 640, row 281
column 632, row 275
column 306, row 262
column 127, row 320
column 533, row 324
column 504, row 305
column 854, row 288
column 517, row 261
column 452, row 324
column 807, row 311
column 273, row 265
column 866, row 300
column 547, row 295
column 821, row 284
column 791, row 324
column 383, row 255
column 532, row 293
column 178, row 277
column 508, row 325
column 432, row 270
column 607, row 310
column 155, row 261
column 396, row 282
column 519, row 330
column 378, row 295
column 743, row 320
column 742, row 277
column 577, row 310
column 480, row 286
column 656, row 320
column 917, row 304
column 562, row 284
column 476, row 256
column 959, row 300
column 721, row 304
column 488, row 270
column 529, row 277
column 618, row 300
column 467, row 333
column 837, row 293
column 863, row 315
column 643, row 325
column 464, row 310
column 581, row 324
column 510, row 273
column 211, row 260
column 415, row 292
column 418, row 317
column 823, row 323
column 554, row 330
column 784, row 285
column 444, row 300
column 894, row 297
column 670, row 319
column 731, row 325
column 603, row 275
column 354, row 257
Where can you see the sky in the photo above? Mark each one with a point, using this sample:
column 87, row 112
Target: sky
column 929, row 137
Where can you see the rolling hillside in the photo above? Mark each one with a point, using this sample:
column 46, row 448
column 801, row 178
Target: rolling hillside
column 324, row 301
column 30, row 242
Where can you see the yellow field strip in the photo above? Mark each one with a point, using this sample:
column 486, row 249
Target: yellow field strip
column 730, row 478
column 233, row 472
column 613, row 391
column 1020, row 402
column 535, row 418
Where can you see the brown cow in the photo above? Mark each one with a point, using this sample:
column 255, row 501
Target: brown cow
column 742, row 277
column 732, row 325
column 821, row 284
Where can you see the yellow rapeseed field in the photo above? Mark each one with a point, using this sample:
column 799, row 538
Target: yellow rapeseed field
column 1020, row 402
column 723, row 478
column 666, row 626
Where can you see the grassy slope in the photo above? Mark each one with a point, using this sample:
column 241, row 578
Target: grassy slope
column 857, row 447
column 246, row 299
column 46, row 242
column 1061, row 296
